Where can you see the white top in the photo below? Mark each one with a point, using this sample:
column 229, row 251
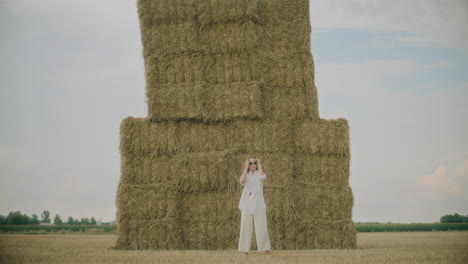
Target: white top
column 252, row 195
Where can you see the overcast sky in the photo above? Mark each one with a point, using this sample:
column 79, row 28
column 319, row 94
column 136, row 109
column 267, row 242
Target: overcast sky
column 71, row 71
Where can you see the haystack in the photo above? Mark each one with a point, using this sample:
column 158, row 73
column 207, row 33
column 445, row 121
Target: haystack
column 226, row 79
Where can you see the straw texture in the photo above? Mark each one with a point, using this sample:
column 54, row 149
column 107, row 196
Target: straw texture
column 228, row 79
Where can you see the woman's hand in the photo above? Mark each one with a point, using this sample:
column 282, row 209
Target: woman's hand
column 258, row 161
column 247, row 163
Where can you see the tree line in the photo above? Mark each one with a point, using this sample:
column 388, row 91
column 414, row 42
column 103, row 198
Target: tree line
column 454, row 218
column 17, row 218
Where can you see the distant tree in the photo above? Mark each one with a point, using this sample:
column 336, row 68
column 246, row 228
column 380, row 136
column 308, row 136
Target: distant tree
column 93, row 221
column 45, row 217
column 454, row 218
column 57, row 219
column 3, row 220
column 16, row 218
column 34, row 220
column 77, row 221
column 70, row 221
column 84, row 221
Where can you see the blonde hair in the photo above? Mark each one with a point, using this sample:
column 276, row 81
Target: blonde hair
column 248, row 169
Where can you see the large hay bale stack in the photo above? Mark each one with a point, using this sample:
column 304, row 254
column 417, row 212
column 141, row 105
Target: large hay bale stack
column 226, row 79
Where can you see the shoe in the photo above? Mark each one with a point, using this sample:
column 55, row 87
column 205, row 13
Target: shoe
column 268, row 252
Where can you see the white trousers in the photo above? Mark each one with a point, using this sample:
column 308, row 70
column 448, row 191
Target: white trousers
column 261, row 230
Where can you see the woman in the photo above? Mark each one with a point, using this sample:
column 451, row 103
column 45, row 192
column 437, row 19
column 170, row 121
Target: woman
column 253, row 208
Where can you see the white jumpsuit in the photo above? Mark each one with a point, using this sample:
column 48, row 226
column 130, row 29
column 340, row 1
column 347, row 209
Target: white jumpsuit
column 253, row 209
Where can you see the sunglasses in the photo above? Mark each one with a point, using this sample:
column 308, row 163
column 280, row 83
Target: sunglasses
column 250, row 163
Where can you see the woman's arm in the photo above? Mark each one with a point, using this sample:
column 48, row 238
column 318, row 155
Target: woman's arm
column 260, row 170
column 244, row 172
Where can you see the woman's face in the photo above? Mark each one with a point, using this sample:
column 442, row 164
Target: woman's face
column 252, row 164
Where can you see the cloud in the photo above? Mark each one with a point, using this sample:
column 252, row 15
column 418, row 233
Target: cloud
column 359, row 79
column 452, row 156
column 443, row 183
column 461, row 171
column 382, row 42
column 439, row 183
column 423, row 23
column 441, row 64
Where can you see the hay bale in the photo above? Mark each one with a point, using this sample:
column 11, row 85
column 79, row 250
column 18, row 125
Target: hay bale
column 219, row 55
column 324, row 219
column 145, row 137
column 287, row 38
column 209, row 220
column 289, row 91
column 325, row 202
column 141, row 234
column 326, row 196
column 220, row 102
column 326, row 137
column 326, row 234
column 231, row 37
column 214, row 84
column 226, row 79
column 141, row 135
column 199, row 171
column 227, row 26
column 288, row 71
column 223, row 12
column 170, row 39
column 168, row 27
column 173, row 70
column 276, row 12
column 291, row 71
column 204, row 87
column 146, row 201
column 155, row 12
column 281, row 202
column 225, row 68
column 322, row 169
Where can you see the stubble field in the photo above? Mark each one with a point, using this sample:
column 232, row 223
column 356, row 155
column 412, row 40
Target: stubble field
column 386, row 247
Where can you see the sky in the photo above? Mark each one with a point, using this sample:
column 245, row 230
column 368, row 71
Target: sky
column 71, row 71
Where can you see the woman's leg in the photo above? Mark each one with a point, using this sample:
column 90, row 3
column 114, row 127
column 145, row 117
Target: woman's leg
column 261, row 230
column 245, row 237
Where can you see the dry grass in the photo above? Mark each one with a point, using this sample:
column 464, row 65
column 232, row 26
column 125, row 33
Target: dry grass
column 411, row 247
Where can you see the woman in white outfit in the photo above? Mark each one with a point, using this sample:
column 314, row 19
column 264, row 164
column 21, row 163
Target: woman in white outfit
column 253, row 208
